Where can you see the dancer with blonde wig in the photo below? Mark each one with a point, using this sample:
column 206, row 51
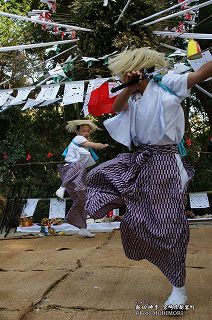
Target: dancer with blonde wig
column 152, row 181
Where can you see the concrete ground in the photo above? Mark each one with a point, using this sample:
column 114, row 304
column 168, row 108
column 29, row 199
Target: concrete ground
column 68, row 277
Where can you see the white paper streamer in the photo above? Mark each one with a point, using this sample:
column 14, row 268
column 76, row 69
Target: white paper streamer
column 35, row 45
column 57, row 71
column 48, row 92
column 204, row 91
column 87, row 98
column 199, row 200
column 9, row 100
column 6, row 105
column 105, row 3
column 30, row 104
column 22, row 95
column 206, row 36
column 163, row 11
column 29, row 208
column 87, row 59
column 177, row 53
column 4, row 94
column 66, row 26
column 107, row 55
column 207, row 3
column 73, row 92
column 46, row 103
column 123, row 11
column 57, row 208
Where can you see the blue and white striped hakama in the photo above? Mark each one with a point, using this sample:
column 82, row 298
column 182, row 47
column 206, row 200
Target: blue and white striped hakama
column 148, row 183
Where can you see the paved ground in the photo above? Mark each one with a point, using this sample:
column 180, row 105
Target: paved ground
column 67, row 277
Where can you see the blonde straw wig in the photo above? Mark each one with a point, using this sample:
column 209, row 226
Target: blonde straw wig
column 72, row 125
column 136, row 59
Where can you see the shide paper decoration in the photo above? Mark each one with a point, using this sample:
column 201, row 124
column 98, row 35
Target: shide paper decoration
column 52, row 5
column 48, row 93
column 66, row 26
column 35, row 45
column 199, row 200
column 21, row 96
column 57, row 208
column 30, row 104
column 180, row 13
column 4, row 94
column 29, row 208
column 186, row 35
column 73, row 92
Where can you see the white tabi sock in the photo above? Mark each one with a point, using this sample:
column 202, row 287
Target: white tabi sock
column 60, row 192
column 177, row 297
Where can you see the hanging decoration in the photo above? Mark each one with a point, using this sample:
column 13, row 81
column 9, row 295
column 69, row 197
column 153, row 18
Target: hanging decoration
column 66, row 26
column 28, row 157
column 30, row 104
column 57, row 208
column 89, row 60
column 201, row 5
column 52, row 5
column 57, row 71
column 4, row 96
column 188, row 142
column 186, row 35
column 73, row 92
column 100, row 103
column 93, row 84
column 50, row 155
column 22, row 95
column 29, row 208
column 35, row 45
column 193, row 51
column 48, row 92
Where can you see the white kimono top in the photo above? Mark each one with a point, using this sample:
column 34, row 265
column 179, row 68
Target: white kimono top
column 79, row 154
column 154, row 118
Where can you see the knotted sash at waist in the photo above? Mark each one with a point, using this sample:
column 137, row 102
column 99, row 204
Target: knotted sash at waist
column 155, row 148
column 142, row 156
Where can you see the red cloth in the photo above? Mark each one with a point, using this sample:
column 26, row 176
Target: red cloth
column 100, row 102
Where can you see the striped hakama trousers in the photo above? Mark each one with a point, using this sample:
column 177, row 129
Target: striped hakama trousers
column 73, row 176
column 148, row 183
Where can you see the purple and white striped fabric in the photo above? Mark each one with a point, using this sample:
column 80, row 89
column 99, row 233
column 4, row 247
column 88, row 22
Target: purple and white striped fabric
column 73, row 176
column 148, row 183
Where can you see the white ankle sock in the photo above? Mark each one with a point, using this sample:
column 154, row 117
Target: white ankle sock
column 177, row 296
column 86, row 234
column 60, row 192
